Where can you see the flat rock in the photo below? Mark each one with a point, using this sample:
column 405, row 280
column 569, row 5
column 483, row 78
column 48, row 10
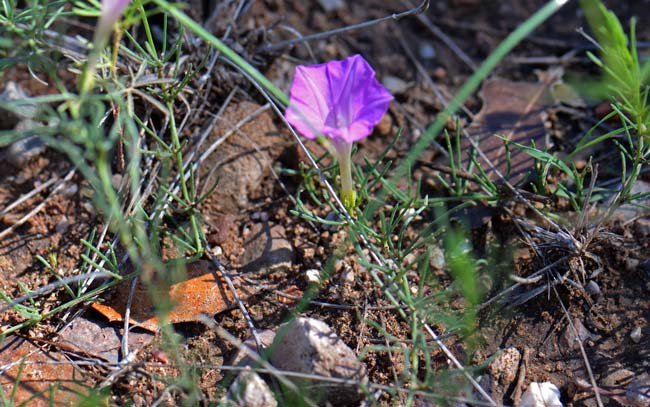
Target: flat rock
column 249, row 390
column 617, row 378
column 574, row 334
column 241, row 358
column 309, row 346
column 240, row 157
column 100, row 339
column 503, row 371
column 512, row 110
column 267, row 250
column 204, row 292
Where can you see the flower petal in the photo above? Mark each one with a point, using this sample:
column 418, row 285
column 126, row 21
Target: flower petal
column 308, row 105
column 112, row 9
column 340, row 99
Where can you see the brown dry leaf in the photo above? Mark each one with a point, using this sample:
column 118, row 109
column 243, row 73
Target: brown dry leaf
column 204, row 292
column 46, row 379
column 512, row 110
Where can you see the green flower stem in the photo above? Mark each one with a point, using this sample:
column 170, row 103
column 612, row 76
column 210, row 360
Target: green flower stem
column 344, row 157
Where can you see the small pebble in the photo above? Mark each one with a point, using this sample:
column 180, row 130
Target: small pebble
column 385, row 125
column 331, row 5
column 436, row 257
column 642, row 226
column 395, row 85
column 88, row 206
column 440, row 73
column 62, row 226
column 347, row 277
column 426, row 51
column 331, row 217
column 635, row 335
column 575, row 333
column 22, row 151
column 312, row 276
column 593, row 288
column 249, row 390
column 116, row 181
column 541, row 395
column 260, row 215
column 9, row 119
column 631, row 264
column 505, row 365
column 69, row 190
column 310, row 346
column 411, row 214
column 409, row 260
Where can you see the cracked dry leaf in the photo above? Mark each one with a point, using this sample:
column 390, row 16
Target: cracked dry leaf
column 512, row 110
column 205, row 292
column 44, row 378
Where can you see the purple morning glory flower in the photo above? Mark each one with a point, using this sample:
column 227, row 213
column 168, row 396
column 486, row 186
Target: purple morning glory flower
column 342, row 101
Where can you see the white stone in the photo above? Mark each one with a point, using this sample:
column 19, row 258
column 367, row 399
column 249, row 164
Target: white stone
column 309, row 346
column 249, row 390
column 312, row 276
column 544, row 394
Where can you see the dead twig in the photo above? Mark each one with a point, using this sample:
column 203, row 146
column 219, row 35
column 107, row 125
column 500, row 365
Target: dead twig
column 523, row 366
column 394, row 17
column 240, row 304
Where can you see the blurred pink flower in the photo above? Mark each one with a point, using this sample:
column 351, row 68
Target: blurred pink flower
column 341, row 100
column 111, row 12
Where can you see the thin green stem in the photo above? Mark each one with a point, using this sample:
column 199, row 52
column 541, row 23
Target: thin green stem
column 187, row 196
column 344, row 157
column 224, row 49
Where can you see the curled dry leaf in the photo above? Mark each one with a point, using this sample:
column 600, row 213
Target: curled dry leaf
column 204, row 292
